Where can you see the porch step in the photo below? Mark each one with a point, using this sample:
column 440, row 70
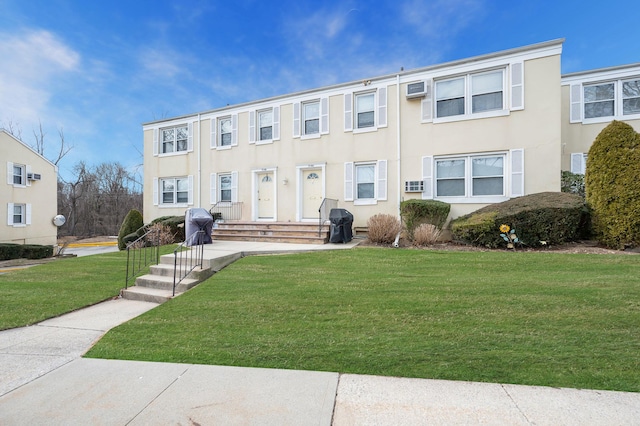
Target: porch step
column 277, row 232
column 146, row 294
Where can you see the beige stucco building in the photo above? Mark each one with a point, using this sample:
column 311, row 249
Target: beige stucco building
column 470, row 132
column 29, row 195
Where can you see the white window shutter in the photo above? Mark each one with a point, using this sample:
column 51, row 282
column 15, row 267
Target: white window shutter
column 517, row 172
column 28, row 214
column 190, row 196
column 348, row 112
column 234, row 187
column 517, row 86
column 427, row 178
column 578, row 163
column 155, row 141
column 276, row 123
column 214, row 130
column 10, row 214
column 234, row 130
column 252, row 127
column 382, row 180
column 575, row 100
column 9, row 173
column 382, row 108
column 296, row 120
column 348, row 181
column 25, row 176
column 324, row 116
column 427, row 101
column 156, row 188
column 190, row 137
column 213, row 188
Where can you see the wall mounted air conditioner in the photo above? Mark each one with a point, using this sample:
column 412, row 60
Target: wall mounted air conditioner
column 34, row 176
column 413, row 186
column 416, row 90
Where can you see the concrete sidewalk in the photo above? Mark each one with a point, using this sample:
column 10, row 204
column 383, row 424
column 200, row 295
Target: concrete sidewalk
column 44, row 380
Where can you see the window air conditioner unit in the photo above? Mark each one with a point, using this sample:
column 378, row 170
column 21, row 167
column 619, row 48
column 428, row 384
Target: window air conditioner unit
column 34, row 176
column 414, row 186
column 416, row 90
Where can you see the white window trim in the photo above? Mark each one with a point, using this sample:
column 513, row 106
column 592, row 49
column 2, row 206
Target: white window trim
column 323, row 118
column 26, row 215
column 468, row 98
column 380, row 187
column 254, row 129
column 26, row 169
column 380, row 102
column 373, row 128
column 215, row 130
column 157, row 140
column 513, row 178
column 157, row 192
column 577, row 103
column 214, row 188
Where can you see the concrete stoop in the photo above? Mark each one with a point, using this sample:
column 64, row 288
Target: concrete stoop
column 157, row 285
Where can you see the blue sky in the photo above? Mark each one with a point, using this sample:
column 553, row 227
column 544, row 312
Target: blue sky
column 99, row 69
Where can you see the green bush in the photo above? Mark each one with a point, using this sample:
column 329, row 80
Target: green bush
column 131, row 223
column 572, row 183
column 417, row 212
column 613, row 187
column 175, row 224
column 544, row 218
column 10, row 251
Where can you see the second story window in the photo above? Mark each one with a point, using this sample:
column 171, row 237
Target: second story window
column 470, row 94
column 631, row 97
column 19, row 175
column 599, row 100
column 175, row 139
column 365, row 110
column 265, row 125
column 224, row 130
column 311, row 117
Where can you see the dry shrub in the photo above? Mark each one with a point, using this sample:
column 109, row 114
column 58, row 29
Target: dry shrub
column 162, row 232
column 426, row 234
column 383, row 228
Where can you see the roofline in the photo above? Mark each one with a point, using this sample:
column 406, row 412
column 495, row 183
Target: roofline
column 457, row 62
column 2, row 130
column 601, row 70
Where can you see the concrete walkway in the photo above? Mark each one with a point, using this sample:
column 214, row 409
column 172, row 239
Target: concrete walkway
column 44, row 380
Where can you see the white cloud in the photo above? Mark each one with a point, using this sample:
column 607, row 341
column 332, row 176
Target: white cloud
column 441, row 19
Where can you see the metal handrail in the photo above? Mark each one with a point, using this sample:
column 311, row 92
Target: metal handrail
column 186, row 258
column 323, row 212
column 140, row 254
column 226, row 210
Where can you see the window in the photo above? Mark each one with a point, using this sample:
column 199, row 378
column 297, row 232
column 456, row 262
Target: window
column 175, row 191
column 365, row 181
column 19, row 174
column 631, row 97
column 365, row 110
column 470, row 94
column 311, row 118
column 175, row 139
column 599, row 100
column 19, row 213
column 224, row 131
column 225, row 187
column 474, row 176
column 265, row 125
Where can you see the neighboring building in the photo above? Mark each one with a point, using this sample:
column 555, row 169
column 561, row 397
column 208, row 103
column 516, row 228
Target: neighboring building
column 469, row 133
column 591, row 100
column 29, row 197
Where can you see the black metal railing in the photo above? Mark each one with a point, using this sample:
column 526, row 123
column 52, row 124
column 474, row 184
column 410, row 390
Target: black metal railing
column 186, row 258
column 226, row 210
column 323, row 212
column 141, row 253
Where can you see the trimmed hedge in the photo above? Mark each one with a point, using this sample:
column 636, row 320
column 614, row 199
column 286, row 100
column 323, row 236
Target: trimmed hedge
column 131, row 223
column 544, row 218
column 10, row 251
column 417, row 212
column 175, row 224
column 613, row 188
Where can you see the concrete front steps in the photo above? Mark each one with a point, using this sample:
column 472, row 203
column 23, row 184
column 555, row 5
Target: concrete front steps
column 157, row 285
column 273, row 232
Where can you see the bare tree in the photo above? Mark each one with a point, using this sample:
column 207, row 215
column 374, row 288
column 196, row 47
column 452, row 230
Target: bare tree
column 39, row 145
column 13, row 129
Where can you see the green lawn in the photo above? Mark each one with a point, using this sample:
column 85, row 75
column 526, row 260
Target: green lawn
column 513, row 317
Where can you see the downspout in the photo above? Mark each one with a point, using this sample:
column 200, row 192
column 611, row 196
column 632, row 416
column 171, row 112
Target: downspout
column 398, row 124
column 199, row 159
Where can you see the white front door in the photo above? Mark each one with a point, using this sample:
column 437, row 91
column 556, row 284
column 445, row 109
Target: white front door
column 311, row 193
column 266, row 201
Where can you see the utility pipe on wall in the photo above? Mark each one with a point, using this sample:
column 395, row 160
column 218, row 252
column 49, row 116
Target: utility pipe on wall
column 398, row 136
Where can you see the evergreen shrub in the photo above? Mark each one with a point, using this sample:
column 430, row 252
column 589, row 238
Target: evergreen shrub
column 613, row 186
column 539, row 219
column 131, row 223
column 417, row 212
column 175, row 224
